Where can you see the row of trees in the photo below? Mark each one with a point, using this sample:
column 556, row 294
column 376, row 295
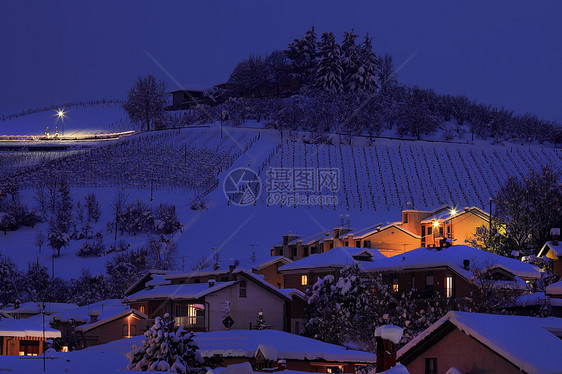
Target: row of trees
column 36, row 284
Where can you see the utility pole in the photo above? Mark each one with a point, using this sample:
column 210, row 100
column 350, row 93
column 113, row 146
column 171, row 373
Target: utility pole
column 490, row 222
column 253, row 256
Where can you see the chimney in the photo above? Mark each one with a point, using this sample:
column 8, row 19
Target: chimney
column 93, row 314
column 216, row 266
column 466, row 264
column 211, row 282
column 387, row 337
column 555, row 235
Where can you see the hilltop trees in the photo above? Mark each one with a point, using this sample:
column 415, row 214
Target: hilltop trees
column 329, row 75
column 146, row 102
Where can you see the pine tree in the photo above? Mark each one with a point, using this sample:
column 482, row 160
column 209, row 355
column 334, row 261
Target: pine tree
column 351, row 62
column 367, row 71
column 329, row 73
column 260, row 322
column 93, row 207
column 387, row 75
column 10, row 280
column 166, row 350
column 302, row 54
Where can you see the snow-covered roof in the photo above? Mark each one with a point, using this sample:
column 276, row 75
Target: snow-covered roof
column 244, row 343
column 248, row 274
column 434, row 211
column 293, row 292
column 190, row 291
column 105, row 308
column 311, row 239
column 550, row 246
column 529, row 343
column 269, row 352
column 110, row 318
column 396, row 369
column 274, row 260
column 555, row 289
column 453, row 257
column 531, row 299
column 397, row 226
column 366, row 231
column 31, row 307
column 157, row 280
column 446, row 215
column 336, row 258
column 27, row 327
column 144, row 279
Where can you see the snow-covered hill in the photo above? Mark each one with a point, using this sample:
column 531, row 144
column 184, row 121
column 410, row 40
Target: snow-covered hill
column 376, row 182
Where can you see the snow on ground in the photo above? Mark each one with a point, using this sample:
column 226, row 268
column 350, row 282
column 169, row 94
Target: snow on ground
column 376, row 183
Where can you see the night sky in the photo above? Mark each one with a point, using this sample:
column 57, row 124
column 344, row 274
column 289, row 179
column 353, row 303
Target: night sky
column 508, row 53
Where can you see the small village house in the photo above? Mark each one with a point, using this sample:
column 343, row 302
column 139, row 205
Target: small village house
column 553, row 250
column 25, row 337
column 486, row 343
column 214, row 300
column 448, row 273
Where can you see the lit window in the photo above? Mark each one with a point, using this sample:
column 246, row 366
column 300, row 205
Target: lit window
column 141, row 308
column 449, row 286
column 304, row 280
column 395, row 287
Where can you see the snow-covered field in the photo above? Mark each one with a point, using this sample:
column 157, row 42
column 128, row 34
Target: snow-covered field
column 376, row 182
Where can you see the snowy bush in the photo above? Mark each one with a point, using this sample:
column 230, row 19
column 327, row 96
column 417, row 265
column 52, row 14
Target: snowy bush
column 166, row 350
column 92, row 249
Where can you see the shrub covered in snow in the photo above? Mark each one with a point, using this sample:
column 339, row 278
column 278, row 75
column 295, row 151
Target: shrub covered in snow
column 166, row 350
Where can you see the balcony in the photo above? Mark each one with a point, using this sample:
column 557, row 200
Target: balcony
column 190, row 322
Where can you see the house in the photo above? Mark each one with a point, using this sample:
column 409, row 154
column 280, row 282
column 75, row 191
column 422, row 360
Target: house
column 486, row 343
column 390, row 240
column 449, row 272
column 97, row 323
column 189, row 98
column 270, row 271
column 305, row 272
column 32, row 308
column 125, row 324
column 418, row 228
column 214, row 300
column 295, row 247
column 553, row 250
column 25, row 337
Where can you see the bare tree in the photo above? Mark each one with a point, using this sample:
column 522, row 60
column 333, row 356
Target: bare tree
column 39, row 239
column 146, row 102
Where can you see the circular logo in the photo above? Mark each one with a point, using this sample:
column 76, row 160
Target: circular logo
column 242, row 186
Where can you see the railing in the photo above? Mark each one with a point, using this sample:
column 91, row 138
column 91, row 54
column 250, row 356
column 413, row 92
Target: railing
column 190, row 322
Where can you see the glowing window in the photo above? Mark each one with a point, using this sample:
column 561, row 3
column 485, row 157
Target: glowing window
column 449, row 286
column 304, row 280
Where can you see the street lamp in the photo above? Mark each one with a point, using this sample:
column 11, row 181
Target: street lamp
column 60, row 115
column 453, row 212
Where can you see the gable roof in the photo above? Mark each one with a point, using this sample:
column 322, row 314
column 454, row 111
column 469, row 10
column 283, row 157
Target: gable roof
column 190, row 291
column 308, row 240
column 453, row 257
column 550, row 246
column 275, row 260
column 27, row 327
column 256, row 278
column 360, row 233
column 145, row 278
column 32, row 307
column 397, row 226
column 105, row 308
column 529, row 343
column 336, row 258
column 446, row 215
column 113, row 317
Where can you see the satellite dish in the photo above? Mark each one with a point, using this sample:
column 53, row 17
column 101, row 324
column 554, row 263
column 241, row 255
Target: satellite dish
column 236, row 263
